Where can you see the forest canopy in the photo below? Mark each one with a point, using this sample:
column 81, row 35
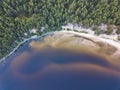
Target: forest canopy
column 19, row 16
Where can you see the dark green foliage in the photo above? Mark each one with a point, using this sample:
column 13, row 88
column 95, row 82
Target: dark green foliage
column 18, row 16
column 109, row 29
column 118, row 30
column 95, row 28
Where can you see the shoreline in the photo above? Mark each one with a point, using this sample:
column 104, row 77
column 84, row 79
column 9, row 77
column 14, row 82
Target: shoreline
column 109, row 41
column 2, row 60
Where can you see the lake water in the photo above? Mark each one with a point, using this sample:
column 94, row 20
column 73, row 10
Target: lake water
column 58, row 69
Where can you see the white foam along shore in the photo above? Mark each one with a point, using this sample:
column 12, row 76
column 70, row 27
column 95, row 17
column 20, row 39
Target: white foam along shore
column 111, row 42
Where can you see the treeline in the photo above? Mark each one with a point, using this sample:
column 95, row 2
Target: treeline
column 19, row 16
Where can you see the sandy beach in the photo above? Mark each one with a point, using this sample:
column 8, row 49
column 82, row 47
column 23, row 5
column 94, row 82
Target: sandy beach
column 89, row 36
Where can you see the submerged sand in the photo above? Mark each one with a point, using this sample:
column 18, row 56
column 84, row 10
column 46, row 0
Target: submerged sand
column 74, row 40
column 64, row 61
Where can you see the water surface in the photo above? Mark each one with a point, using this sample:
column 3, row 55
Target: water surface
column 58, row 69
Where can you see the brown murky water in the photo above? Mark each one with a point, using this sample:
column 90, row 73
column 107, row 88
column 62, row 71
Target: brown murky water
column 59, row 69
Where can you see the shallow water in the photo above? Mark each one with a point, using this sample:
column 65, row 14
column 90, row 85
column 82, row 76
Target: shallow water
column 58, row 69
